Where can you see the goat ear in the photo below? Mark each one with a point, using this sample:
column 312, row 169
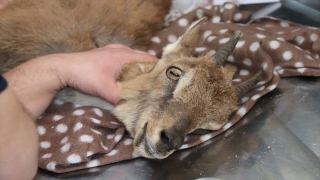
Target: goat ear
column 185, row 45
column 134, row 69
column 230, row 71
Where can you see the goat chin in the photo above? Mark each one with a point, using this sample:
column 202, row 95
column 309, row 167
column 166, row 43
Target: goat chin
column 82, row 99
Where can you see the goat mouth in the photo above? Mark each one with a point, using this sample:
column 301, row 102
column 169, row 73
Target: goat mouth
column 146, row 148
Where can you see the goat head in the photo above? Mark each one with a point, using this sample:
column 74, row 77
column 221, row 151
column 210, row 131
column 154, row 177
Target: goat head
column 163, row 102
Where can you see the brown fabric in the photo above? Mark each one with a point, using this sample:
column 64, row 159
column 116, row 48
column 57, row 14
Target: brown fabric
column 73, row 137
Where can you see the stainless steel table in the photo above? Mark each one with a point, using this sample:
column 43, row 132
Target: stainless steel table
column 278, row 139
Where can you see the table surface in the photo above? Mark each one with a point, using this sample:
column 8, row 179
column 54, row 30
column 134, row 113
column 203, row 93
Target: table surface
column 278, row 139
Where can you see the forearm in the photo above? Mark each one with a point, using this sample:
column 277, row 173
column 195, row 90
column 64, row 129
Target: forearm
column 19, row 140
column 35, row 83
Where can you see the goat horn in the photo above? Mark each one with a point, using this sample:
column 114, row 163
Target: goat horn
column 222, row 54
column 244, row 87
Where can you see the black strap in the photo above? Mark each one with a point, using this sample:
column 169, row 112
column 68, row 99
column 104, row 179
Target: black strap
column 3, row 84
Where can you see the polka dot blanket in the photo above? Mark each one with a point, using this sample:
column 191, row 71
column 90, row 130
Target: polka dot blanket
column 73, row 137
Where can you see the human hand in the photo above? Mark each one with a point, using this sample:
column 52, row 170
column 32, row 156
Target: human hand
column 93, row 72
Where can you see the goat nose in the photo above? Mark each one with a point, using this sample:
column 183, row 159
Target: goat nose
column 171, row 139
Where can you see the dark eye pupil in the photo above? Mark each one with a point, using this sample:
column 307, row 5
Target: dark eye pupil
column 174, row 74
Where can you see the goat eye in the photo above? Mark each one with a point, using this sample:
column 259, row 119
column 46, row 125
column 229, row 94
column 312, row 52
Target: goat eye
column 173, row 73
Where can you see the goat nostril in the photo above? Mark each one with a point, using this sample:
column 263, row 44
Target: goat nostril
column 164, row 138
column 171, row 140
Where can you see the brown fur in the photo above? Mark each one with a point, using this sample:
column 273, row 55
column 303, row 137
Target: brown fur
column 31, row 28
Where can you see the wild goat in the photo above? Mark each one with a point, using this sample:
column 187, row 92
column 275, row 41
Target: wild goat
column 160, row 102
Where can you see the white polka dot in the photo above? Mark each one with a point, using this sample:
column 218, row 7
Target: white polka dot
column 297, row 47
column 86, row 138
column 247, row 62
column 229, row 6
column 298, row 65
column 313, row 37
column 280, row 32
column 41, row 130
column 231, row 58
column 152, row 52
column 96, row 131
column 259, row 28
column 205, row 137
column 287, row 55
column 277, row 68
column 244, row 99
column 254, row 46
column 227, row 126
column 236, row 80
column 78, row 112
column 200, row 49
column 128, row 142
column 221, row 9
column 112, row 122
column 261, row 83
column 58, row 102
column 74, row 158
column 113, row 152
column 65, row 148
column 237, row 17
column 103, row 146
column 284, row 24
column 135, row 154
column 95, row 120
column 93, row 163
column 51, row 166
column 300, row 39
column 223, row 40
column 255, row 97
column 240, row 44
column 46, row 156
column 264, row 66
column 242, row 111
column 260, row 36
column 172, row 38
column 211, row 53
column 243, row 72
column 57, row 117
column 309, row 57
column 117, row 138
column 316, row 56
column 61, row 128
column 156, row 40
column 280, row 71
column 261, row 88
column 98, row 112
column 211, row 38
column 302, row 70
column 216, row 19
column 281, row 39
column 64, row 140
column 77, row 127
column 295, row 30
column 274, row 44
column 199, row 13
column 110, row 136
column 183, row 22
column 222, row 31
column 89, row 153
column 272, row 87
column 45, row 144
column 206, row 34
column 184, row 146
